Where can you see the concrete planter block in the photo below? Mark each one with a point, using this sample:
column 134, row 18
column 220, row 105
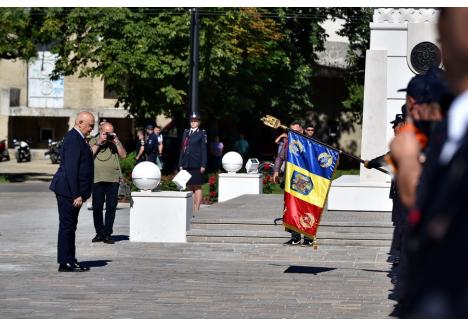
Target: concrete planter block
column 162, row 216
column 232, row 185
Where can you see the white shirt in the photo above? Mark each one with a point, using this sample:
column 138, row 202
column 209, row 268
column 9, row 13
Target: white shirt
column 192, row 130
column 79, row 132
column 457, row 124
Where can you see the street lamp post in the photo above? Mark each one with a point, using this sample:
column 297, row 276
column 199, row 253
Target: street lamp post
column 194, row 60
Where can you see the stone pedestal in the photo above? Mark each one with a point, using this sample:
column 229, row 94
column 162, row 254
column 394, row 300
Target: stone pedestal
column 348, row 193
column 232, row 185
column 395, row 33
column 162, row 216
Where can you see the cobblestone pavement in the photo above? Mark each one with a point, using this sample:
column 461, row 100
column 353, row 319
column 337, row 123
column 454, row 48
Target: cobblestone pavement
column 189, row 280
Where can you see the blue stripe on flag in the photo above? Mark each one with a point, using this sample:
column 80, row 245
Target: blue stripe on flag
column 311, row 156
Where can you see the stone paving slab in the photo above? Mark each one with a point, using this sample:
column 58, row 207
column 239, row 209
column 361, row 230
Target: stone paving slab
column 186, row 280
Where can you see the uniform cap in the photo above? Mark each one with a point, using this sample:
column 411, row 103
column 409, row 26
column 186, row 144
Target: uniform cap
column 427, row 88
column 194, row 116
column 435, row 88
column 399, row 118
column 415, row 87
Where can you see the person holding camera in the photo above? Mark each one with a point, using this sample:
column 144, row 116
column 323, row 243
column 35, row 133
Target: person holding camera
column 107, row 149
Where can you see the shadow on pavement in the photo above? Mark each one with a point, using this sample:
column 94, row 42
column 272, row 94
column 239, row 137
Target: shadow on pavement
column 307, row 269
column 95, row 263
column 120, row 237
column 23, row 177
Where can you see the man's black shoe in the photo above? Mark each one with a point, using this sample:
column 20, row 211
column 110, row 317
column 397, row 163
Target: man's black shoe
column 108, row 239
column 82, row 267
column 71, row 267
column 307, row 243
column 293, row 242
column 97, row 238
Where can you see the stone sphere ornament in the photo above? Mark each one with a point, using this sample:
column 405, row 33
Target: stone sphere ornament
column 232, row 162
column 146, row 176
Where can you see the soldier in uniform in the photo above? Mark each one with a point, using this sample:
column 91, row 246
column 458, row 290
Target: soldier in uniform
column 410, row 153
column 193, row 157
column 151, row 145
column 438, row 269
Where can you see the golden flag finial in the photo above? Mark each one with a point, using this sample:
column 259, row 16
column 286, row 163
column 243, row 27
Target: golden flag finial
column 272, row 122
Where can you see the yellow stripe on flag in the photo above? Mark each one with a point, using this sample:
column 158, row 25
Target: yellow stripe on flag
column 320, row 186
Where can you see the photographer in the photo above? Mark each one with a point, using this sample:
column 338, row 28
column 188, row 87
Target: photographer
column 106, row 149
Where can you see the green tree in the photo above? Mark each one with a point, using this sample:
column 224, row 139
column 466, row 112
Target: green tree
column 20, row 32
column 246, row 55
column 356, row 29
column 252, row 60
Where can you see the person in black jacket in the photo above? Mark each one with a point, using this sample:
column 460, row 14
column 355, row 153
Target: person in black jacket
column 193, row 157
column 72, row 184
column 151, row 145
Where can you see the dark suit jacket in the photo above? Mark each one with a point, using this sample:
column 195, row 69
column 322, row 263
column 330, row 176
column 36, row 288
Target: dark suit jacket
column 193, row 151
column 74, row 178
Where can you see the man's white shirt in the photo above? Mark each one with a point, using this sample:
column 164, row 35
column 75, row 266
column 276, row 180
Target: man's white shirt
column 457, row 124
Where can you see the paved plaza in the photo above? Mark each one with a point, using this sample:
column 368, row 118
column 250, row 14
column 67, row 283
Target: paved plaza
column 187, row 280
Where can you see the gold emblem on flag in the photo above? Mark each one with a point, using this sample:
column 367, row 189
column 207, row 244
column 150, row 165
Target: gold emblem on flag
column 296, row 147
column 325, row 160
column 307, row 220
column 301, row 183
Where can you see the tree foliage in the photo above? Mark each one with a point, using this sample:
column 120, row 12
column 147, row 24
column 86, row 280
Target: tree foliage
column 20, row 32
column 252, row 60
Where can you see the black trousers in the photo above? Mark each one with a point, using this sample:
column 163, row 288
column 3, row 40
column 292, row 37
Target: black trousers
column 297, row 236
column 68, row 220
column 104, row 192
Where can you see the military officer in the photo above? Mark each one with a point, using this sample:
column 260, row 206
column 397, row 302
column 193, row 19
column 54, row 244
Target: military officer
column 193, row 157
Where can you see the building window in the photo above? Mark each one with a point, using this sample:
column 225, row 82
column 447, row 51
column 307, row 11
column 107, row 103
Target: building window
column 46, row 134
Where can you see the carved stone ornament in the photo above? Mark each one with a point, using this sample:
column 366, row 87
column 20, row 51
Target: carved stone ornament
column 405, row 15
column 424, row 56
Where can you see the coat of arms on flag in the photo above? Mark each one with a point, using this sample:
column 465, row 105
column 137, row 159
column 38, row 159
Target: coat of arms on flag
column 309, row 170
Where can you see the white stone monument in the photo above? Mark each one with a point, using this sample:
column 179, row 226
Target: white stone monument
column 402, row 44
column 233, row 184
column 161, row 216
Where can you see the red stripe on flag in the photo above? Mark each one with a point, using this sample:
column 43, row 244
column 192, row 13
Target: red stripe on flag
column 300, row 215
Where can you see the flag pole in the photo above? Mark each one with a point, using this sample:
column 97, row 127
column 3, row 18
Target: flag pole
column 275, row 123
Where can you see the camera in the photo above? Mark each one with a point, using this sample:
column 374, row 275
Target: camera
column 110, row 135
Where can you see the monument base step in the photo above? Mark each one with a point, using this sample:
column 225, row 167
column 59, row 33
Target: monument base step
column 348, row 193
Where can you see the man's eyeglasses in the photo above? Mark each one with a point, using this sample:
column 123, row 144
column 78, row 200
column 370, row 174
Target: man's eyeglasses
column 309, row 129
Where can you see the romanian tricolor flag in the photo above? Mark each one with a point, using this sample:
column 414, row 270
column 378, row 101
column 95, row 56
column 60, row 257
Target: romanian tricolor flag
column 309, row 170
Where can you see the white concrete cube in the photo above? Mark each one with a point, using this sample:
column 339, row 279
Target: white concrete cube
column 162, row 216
column 234, row 185
column 348, row 193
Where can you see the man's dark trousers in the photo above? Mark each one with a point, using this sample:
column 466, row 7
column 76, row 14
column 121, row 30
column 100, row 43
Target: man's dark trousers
column 104, row 192
column 68, row 220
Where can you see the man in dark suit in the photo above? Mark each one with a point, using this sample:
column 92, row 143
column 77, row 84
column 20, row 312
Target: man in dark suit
column 72, row 184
